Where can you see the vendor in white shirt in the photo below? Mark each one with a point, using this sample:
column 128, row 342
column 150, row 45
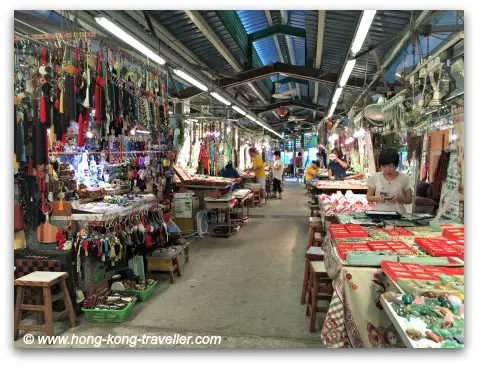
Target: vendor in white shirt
column 390, row 189
column 277, row 172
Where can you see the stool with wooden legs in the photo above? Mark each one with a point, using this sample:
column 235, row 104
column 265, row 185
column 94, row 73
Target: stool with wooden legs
column 43, row 281
column 319, row 288
column 314, row 210
column 312, row 254
column 315, row 226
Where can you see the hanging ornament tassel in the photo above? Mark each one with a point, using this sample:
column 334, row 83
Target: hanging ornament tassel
column 42, row 110
column 60, row 205
column 81, row 131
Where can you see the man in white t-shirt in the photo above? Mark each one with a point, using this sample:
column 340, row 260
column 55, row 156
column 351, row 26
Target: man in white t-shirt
column 277, row 173
column 389, row 188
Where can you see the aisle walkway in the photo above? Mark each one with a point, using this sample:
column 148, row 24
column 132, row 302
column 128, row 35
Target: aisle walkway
column 245, row 288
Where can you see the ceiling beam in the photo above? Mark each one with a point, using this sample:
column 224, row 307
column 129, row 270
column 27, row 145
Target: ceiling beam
column 209, row 33
column 290, row 48
column 278, row 68
column 165, row 36
column 319, row 51
column 286, row 103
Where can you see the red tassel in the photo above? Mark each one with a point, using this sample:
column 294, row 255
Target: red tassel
column 30, row 166
column 81, row 131
column 42, row 110
column 63, row 138
column 43, row 56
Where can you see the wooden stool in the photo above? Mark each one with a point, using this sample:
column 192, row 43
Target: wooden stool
column 312, row 254
column 166, row 264
column 320, row 288
column 44, row 281
column 314, row 208
column 317, row 242
column 314, row 227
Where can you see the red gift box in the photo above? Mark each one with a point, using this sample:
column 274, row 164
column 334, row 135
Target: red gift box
column 396, row 270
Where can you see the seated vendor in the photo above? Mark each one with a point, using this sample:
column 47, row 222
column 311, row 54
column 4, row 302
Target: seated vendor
column 228, row 171
column 389, row 188
column 312, row 170
column 337, row 167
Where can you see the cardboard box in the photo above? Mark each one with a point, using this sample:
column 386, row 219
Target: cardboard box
column 186, row 225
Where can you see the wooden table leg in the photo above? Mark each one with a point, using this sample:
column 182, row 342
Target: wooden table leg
column 313, row 310
column 229, row 220
column 186, row 255
column 68, row 304
column 178, row 271
column 18, row 311
column 48, row 310
column 306, row 280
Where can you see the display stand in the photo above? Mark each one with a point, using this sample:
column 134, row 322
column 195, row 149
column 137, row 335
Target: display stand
column 221, row 204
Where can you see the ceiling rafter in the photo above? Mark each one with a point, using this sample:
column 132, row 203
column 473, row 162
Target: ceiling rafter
column 290, row 48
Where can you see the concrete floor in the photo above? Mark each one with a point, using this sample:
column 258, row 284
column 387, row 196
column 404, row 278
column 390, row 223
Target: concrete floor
column 245, row 288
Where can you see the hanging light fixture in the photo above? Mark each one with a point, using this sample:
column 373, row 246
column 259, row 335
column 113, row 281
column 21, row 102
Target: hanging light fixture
column 364, row 26
column 239, row 110
column 127, row 38
column 190, row 80
column 220, row 98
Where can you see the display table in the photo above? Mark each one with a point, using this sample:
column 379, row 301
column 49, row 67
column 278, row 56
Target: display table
column 355, row 311
column 204, row 191
column 333, row 186
column 225, row 203
column 243, row 197
column 362, row 219
column 99, row 211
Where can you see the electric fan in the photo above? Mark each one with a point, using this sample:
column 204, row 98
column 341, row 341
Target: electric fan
column 202, row 223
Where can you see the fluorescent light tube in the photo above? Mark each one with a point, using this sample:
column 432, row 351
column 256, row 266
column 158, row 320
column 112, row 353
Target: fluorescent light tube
column 347, row 71
column 364, row 26
column 337, row 95
column 191, row 80
column 133, row 42
column 332, row 109
column 252, row 118
column 220, row 98
column 239, row 110
column 143, row 132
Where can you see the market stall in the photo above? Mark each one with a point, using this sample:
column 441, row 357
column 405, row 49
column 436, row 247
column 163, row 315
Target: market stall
column 353, row 256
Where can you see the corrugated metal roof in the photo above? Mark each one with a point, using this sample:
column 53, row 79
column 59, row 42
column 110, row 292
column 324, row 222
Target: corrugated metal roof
column 296, row 18
column 339, row 31
column 181, row 27
column 387, row 26
column 253, row 20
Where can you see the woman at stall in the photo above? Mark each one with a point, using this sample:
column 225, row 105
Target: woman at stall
column 390, row 189
column 337, row 167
